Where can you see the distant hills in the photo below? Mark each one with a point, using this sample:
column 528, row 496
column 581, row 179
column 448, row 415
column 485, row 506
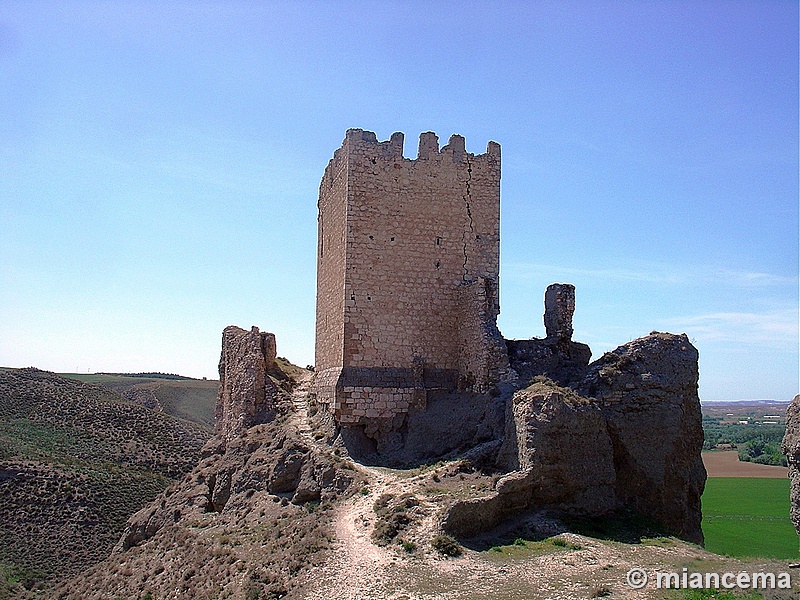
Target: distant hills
column 183, row 397
column 79, row 454
column 747, row 402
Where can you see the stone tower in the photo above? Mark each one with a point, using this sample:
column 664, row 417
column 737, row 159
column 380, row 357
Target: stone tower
column 407, row 277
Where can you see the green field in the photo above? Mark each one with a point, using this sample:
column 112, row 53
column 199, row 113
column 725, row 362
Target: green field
column 748, row 517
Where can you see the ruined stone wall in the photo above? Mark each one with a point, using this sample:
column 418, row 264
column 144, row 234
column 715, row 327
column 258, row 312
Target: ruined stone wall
column 400, row 239
column 483, row 356
column 559, row 306
column 555, row 356
column 246, row 396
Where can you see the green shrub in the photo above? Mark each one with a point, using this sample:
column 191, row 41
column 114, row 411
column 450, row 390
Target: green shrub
column 393, row 516
column 561, row 543
column 446, row 545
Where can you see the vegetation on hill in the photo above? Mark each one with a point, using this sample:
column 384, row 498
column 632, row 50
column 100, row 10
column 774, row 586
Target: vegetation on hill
column 76, row 460
column 756, row 442
column 156, row 375
column 183, row 397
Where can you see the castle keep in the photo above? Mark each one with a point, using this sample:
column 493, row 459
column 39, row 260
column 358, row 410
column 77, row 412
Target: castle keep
column 407, row 276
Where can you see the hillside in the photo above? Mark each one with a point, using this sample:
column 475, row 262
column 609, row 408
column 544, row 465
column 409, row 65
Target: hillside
column 374, row 536
column 280, row 512
column 182, row 397
column 76, row 460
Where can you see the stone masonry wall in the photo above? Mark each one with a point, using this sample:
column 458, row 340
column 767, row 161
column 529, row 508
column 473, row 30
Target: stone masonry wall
column 483, row 357
column 399, row 242
column 555, row 356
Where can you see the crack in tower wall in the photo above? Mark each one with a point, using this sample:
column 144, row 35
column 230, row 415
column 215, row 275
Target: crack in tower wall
column 468, row 235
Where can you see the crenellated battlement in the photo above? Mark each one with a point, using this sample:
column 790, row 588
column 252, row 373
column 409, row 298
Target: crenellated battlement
column 359, row 140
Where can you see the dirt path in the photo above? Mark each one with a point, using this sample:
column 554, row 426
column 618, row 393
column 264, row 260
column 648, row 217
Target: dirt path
column 300, row 403
column 358, row 569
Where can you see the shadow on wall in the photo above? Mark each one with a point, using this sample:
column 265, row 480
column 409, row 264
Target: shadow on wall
column 450, row 424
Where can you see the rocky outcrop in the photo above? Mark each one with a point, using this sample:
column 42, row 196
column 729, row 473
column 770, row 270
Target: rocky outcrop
column 267, row 462
column 628, row 435
column 247, row 395
column 560, row 456
column 562, row 437
column 452, row 423
column 564, row 363
column 791, row 448
column 647, row 391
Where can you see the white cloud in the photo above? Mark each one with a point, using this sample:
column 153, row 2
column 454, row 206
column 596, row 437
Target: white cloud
column 775, row 329
column 657, row 273
column 751, row 279
column 522, row 271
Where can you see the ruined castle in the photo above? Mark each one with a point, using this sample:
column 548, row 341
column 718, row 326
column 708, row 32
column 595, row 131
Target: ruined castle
column 411, row 368
column 407, row 276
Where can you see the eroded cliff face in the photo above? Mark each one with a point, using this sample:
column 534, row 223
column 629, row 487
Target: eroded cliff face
column 791, row 448
column 647, row 391
column 266, row 464
column 259, row 449
column 624, row 432
column 559, row 455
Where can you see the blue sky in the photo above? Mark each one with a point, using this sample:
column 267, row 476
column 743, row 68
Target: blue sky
column 159, row 166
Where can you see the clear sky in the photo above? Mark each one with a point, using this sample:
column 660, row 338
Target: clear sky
column 159, row 166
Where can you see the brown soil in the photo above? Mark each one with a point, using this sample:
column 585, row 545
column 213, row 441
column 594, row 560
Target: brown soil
column 260, row 545
column 727, row 464
column 574, row 567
